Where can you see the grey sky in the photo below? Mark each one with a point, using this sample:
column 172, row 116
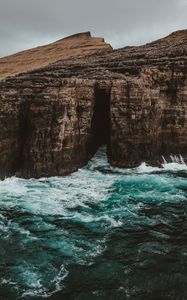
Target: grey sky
column 28, row 23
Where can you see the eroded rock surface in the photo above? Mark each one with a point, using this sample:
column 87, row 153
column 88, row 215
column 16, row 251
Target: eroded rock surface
column 53, row 118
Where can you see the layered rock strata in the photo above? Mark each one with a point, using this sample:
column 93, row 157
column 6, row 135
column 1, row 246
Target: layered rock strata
column 55, row 114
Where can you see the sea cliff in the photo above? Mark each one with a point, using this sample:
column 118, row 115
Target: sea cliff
column 60, row 102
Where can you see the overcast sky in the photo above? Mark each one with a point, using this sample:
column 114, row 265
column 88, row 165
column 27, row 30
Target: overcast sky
column 28, row 23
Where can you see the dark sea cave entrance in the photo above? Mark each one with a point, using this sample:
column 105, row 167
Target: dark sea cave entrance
column 100, row 127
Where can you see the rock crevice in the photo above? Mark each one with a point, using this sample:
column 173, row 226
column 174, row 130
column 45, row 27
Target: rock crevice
column 55, row 116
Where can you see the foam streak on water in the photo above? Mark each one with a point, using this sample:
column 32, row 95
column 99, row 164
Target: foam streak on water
column 123, row 230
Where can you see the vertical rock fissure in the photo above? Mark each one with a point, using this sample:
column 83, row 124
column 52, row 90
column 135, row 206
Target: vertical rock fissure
column 23, row 137
column 100, row 126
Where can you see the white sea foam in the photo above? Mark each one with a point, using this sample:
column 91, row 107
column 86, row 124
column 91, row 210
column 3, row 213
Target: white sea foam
column 13, row 186
column 35, row 286
column 88, row 198
column 173, row 166
column 145, row 168
column 176, row 164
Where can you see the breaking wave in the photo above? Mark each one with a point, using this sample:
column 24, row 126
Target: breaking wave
column 123, row 230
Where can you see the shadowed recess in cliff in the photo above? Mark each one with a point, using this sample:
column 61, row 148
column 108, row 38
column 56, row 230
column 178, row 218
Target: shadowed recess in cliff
column 76, row 96
column 22, row 158
column 100, row 127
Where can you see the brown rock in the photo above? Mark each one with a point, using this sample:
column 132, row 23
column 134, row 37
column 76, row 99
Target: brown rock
column 76, row 45
column 53, row 118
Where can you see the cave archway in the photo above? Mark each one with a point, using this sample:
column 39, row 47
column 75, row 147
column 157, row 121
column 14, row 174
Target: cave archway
column 100, row 125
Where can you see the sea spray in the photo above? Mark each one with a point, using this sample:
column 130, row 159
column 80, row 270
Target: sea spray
column 100, row 232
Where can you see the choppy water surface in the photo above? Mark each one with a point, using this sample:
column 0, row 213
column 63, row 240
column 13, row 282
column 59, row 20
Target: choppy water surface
column 100, row 233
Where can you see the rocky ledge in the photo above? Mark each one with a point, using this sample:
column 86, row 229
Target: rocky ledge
column 60, row 102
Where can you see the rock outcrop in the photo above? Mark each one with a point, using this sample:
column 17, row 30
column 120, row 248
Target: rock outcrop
column 78, row 93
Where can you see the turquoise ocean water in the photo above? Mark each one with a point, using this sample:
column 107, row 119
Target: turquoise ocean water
column 99, row 233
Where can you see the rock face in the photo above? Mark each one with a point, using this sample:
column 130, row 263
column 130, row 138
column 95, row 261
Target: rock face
column 78, row 94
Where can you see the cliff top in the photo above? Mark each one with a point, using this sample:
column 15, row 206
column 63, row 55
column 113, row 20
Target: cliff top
column 74, row 50
column 71, row 46
column 176, row 36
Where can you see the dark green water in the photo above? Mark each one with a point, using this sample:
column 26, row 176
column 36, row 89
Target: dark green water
column 100, row 233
